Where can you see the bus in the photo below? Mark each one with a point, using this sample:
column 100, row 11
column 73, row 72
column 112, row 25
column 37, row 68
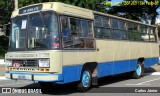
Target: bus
column 56, row 43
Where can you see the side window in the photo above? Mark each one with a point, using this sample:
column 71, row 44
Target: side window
column 144, row 33
column 102, row 27
column 88, row 37
column 116, row 33
column 80, row 34
column 114, row 24
column 103, row 32
column 130, row 27
column 152, row 34
column 98, row 21
column 106, row 22
column 122, row 28
column 66, row 31
column 122, row 25
column 133, row 32
column 75, row 26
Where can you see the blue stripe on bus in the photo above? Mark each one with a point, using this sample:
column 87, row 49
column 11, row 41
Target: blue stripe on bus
column 73, row 73
column 150, row 61
column 118, row 67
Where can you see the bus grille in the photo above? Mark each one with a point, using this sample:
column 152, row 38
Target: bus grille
column 26, row 63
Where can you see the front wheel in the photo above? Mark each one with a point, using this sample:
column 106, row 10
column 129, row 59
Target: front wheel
column 85, row 81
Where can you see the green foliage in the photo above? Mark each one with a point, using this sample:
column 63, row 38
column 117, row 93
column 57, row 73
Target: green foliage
column 3, row 45
column 137, row 11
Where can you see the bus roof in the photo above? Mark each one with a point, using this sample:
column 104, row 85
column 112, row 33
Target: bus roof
column 67, row 9
column 59, row 7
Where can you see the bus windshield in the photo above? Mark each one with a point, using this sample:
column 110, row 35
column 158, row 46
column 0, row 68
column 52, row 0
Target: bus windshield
column 34, row 31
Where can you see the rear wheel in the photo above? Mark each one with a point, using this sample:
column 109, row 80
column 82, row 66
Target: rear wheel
column 138, row 72
column 85, row 81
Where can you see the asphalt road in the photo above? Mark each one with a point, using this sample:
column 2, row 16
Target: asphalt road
column 108, row 86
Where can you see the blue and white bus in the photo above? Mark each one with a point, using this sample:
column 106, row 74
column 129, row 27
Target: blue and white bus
column 56, row 43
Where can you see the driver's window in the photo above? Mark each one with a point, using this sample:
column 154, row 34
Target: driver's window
column 76, row 33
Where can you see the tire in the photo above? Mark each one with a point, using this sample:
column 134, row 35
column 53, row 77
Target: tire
column 46, row 84
column 85, row 81
column 138, row 72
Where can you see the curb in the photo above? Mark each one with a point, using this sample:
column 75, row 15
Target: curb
column 3, row 78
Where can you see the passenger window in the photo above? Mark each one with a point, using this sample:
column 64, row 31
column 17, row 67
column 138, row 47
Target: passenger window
column 144, row 33
column 106, row 22
column 135, row 27
column 103, row 33
column 130, row 27
column 81, row 34
column 98, row 21
column 122, row 25
column 117, row 34
column 152, row 35
column 114, row 24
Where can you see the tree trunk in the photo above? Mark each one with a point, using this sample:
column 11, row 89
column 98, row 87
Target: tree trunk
column 153, row 20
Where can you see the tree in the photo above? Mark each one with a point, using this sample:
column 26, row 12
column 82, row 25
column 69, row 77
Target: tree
column 6, row 7
column 137, row 10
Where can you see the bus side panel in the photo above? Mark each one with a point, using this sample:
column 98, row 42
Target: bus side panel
column 121, row 67
column 154, row 60
column 117, row 67
column 132, row 64
column 71, row 74
column 150, row 61
column 105, row 69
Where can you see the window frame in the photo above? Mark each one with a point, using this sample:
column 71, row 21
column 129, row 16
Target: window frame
column 93, row 37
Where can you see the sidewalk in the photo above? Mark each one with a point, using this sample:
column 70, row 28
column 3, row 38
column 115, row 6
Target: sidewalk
column 2, row 69
column 2, row 61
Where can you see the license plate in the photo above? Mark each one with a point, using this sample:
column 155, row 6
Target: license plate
column 16, row 64
column 21, row 77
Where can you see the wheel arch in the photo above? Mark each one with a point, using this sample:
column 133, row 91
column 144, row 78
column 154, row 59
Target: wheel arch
column 92, row 66
column 141, row 60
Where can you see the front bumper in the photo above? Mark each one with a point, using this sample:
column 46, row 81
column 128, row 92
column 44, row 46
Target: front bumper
column 45, row 77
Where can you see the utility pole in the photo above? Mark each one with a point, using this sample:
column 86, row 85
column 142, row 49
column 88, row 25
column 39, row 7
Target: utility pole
column 15, row 4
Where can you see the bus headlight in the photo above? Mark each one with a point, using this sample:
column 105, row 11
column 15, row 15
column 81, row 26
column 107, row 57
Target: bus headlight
column 8, row 63
column 43, row 62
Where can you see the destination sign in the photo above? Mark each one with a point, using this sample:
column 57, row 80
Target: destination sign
column 30, row 9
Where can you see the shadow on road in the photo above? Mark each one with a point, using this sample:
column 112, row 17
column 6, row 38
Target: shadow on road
column 71, row 87
column 55, row 90
column 150, row 69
